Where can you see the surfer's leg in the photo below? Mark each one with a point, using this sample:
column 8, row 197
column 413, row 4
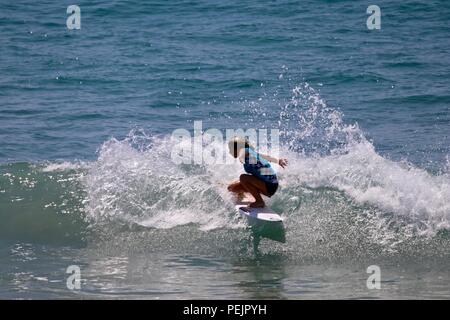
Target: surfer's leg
column 256, row 187
column 238, row 189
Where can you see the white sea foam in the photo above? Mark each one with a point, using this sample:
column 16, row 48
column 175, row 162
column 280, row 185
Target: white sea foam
column 147, row 188
column 420, row 198
column 64, row 166
column 134, row 180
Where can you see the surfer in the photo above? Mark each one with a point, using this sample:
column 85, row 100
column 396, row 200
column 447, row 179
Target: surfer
column 260, row 178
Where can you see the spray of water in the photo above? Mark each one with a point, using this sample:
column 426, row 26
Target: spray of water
column 332, row 165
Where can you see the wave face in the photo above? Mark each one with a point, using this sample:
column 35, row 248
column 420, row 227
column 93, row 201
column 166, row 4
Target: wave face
column 42, row 204
column 339, row 196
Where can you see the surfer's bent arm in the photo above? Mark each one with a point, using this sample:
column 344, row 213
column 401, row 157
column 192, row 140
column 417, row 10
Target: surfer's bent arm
column 281, row 162
column 241, row 156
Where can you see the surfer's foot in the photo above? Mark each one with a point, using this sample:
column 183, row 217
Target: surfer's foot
column 257, row 204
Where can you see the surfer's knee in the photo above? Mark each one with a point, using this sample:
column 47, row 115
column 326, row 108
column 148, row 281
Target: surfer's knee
column 232, row 187
column 243, row 178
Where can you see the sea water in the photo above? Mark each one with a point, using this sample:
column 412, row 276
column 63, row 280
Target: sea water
column 87, row 179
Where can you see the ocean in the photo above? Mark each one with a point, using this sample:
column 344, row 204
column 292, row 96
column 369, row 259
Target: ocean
column 87, row 179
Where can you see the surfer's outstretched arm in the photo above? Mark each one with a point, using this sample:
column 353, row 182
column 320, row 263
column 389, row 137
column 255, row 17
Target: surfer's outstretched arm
column 281, row 162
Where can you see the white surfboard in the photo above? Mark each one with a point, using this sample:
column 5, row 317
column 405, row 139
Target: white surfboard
column 264, row 221
column 264, row 214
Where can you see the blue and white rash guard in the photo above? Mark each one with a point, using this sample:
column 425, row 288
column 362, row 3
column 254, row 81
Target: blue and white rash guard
column 259, row 167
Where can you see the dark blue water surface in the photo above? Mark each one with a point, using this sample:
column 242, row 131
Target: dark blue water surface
column 158, row 65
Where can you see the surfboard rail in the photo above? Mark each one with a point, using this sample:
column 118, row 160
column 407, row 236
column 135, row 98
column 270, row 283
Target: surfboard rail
column 264, row 222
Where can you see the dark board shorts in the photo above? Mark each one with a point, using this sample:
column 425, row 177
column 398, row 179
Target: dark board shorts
column 271, row 188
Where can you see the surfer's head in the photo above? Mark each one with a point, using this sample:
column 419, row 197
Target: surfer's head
column 236, row 144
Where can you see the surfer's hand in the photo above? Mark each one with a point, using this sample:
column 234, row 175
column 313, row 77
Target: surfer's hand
column 283, row 163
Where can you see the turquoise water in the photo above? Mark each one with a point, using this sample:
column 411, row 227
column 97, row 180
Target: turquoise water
column 86, row 176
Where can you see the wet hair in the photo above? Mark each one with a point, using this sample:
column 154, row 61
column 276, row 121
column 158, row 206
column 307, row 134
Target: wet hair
column 237, row 143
